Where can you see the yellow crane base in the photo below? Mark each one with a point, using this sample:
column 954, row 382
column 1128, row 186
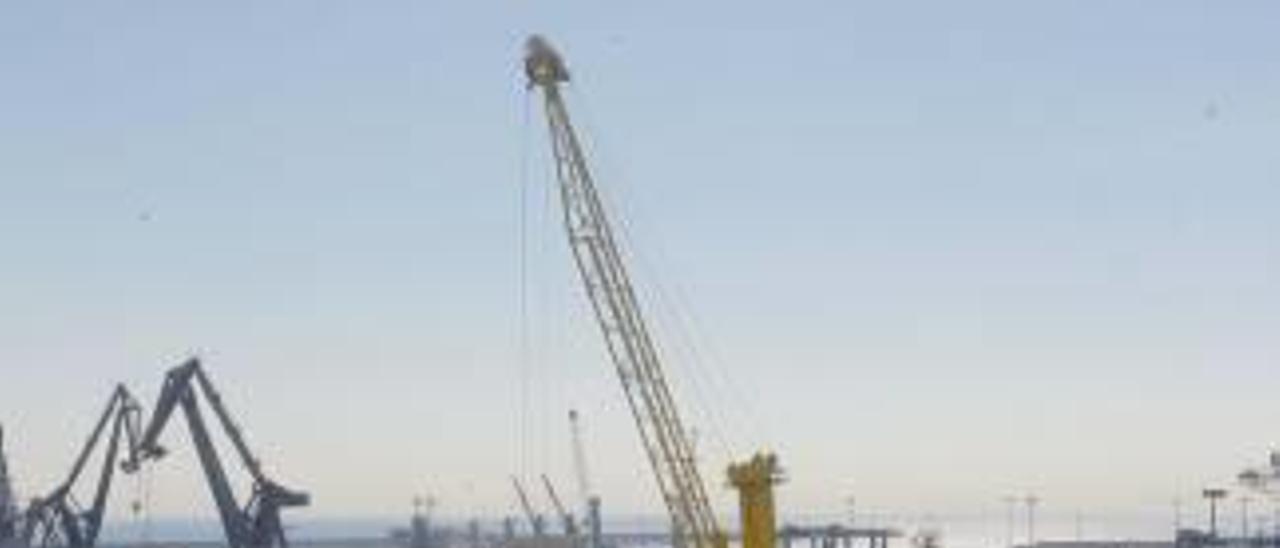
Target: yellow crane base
column 754, row 479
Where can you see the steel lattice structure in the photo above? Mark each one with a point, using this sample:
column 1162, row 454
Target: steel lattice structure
column 618, row 313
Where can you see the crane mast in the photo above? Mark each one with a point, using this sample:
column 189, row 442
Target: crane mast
column 634, row 355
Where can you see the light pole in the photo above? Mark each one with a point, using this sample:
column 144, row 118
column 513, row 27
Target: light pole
column 1275, row 521
column 1010, row 502
column 1031, row 501
column 1213, row 496
column 1244, row 516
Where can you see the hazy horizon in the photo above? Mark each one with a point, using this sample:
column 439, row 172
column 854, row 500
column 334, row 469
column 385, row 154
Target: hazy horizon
column 983, row 527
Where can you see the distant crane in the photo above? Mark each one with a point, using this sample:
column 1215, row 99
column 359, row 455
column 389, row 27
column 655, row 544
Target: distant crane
column 8, row 504
column 1265, row 480
column 567, row 522
column 634, row 355
column 57, row 519
column 592, row 501
column 536, row 523
column 255, row 525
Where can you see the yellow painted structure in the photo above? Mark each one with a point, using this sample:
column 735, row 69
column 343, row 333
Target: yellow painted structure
column 754, row 480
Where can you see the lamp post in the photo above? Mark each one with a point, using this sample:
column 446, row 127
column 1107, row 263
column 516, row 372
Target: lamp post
column 1010, row 502
column 1177, row 515
column 1244, row 516
column 1213, row 495
column 1031, row 501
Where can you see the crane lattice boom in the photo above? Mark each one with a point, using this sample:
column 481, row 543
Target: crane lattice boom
column 618, row 313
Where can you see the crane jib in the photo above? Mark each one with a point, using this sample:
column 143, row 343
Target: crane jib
column 604, row 274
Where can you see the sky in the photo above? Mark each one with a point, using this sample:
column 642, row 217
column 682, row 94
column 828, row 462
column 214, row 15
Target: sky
column 933, row 254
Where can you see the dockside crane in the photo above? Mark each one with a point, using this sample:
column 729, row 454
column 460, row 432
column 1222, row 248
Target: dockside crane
column 257, row 523
column 58, row 519
column 567, row 521
column 633, row 352
column 536, row 522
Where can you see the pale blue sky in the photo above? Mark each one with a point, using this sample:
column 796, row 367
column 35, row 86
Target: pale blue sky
column 937, row 252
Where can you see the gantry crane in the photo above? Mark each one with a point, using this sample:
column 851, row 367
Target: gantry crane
column 57, row 519
column 634, row 355
column 255, row 525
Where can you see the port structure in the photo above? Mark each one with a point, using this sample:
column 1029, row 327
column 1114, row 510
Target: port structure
column 255, row 525
column 754, row 480
column 592, row 500
column 9, row 522
column 420, row 531
column 567, row 522
column 537, row 524
column 1264, row 479
column 631, row 349
column 1213, row 495
column 57, row 518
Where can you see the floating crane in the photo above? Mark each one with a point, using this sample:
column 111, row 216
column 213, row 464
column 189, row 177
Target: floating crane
column 57, row 519
column 634, row 355
column 594, row 529
column 255, row 525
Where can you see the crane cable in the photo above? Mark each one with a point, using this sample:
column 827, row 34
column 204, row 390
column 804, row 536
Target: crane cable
column 141, row 504
column 704, row 371
column 535, row 386
column 523, row 351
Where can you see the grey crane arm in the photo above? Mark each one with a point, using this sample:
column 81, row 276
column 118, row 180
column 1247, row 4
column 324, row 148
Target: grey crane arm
column 255, row 525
